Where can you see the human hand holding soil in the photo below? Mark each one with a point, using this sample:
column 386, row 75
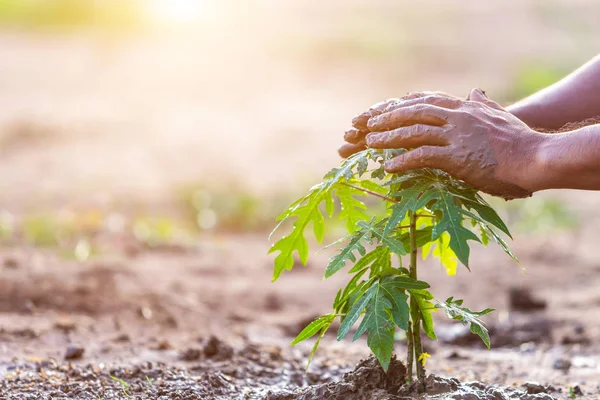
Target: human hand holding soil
column 489, row 147
column 475, row 140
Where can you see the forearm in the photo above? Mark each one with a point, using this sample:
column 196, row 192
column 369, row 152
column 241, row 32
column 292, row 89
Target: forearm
column 574, row 98
column 569, row 160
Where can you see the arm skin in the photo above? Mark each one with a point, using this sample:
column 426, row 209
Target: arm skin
column 480, row 142
column 574, row 98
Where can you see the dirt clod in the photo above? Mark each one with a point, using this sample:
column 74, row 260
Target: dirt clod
column 521, row 299
column 562, row 364
column 191, row 354
column 74, row 352
column 11, row 263
column 162, row 344
column 534, row 388
column 367, row 381
column 217, row 350
column 65, row 324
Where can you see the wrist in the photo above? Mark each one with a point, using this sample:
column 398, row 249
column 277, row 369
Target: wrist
column 529, row 157
column 539, row 174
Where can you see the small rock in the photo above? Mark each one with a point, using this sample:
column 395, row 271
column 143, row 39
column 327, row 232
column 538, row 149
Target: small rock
column 122, row 338
column 74, row 352
column 273, row 302
column 145, row 312
column 162, row 344
column 455, row 355
column 537, row 396
column 65, row 324
column 190, row 354
column 49, row 363
column 28, row 306
column 563, row 364
column 11, row 263
column 438, row 385
column 534, row 388
column 216, row 349
column 521, row 299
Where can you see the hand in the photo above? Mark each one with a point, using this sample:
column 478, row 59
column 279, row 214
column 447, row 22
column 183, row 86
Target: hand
column 475, row 140
column 355, row 136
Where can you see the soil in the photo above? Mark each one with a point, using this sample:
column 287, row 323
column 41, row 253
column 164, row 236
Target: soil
column 572, row 125
column 206, row 323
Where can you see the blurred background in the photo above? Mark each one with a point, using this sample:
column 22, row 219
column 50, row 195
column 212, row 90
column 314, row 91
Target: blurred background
column 151, row 125
column 106, row 103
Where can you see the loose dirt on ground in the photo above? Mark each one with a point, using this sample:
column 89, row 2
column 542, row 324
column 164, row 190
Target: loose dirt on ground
column 205, row 322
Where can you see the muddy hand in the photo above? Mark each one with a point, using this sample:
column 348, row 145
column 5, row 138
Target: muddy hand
column 355, row 136
column 475, row 140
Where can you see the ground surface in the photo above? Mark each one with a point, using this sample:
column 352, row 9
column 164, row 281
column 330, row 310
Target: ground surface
column 159, row 309
column 91, row 123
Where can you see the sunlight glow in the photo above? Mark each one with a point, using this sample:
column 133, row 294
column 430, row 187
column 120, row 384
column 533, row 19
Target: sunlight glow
column 177, row 11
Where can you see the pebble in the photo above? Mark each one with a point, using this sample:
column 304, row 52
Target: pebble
column 74, row 352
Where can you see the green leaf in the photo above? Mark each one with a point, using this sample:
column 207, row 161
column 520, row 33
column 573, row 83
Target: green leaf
column 500, row 242
column 306, row 212
column 454, row 310
column 320, row 326
column 351, row 209
column 444, row 253
column 379, row 327
column 394, row 291
column 385, row 306
column 476, row 202
column 369, row 258
column 409, row 202
column 424, row 236
column 376, row 229
column 313, row 328
column 338, row 261
column 354, row 313
column 426, row 307
column 451, row 222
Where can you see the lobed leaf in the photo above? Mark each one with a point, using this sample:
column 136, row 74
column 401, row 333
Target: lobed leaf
column 454, row 310
column 338, row 261
column 426, row 307
column 385, row 305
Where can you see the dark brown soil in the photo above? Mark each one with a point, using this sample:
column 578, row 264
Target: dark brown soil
column 571, row 126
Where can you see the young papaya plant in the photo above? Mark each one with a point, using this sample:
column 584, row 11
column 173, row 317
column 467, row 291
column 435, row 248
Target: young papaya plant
column 427, row 209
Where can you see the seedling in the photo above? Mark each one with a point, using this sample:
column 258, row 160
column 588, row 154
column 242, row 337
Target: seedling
column 426, row 209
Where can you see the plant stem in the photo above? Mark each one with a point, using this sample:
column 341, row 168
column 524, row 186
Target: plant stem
column 381, row 196
column 411, row 353
column 414, row 307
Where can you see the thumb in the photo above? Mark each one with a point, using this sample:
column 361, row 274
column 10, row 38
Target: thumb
column 479, row 96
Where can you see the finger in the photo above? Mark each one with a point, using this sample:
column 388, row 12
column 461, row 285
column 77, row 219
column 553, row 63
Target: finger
column 433, row 99
column 354, row 135
column 415, row 95
column 408, row 137
column 360, row 121
column 423, row 157
column 349, row 148
column 418, row 114
column 479, row 95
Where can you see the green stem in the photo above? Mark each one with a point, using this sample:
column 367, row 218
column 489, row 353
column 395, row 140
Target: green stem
column 414, row 307
column 381, row 196
column 409, row 359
